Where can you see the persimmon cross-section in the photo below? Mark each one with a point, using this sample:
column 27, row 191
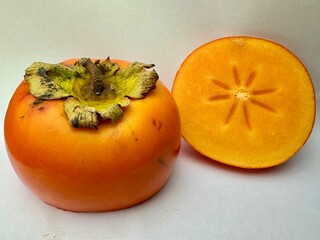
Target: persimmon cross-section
column 242, row 94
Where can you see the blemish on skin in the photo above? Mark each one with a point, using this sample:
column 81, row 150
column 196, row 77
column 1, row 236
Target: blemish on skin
column 162, row 162
column 22, row 117
column 134, row 136
column 157, row 124
column 37, row 104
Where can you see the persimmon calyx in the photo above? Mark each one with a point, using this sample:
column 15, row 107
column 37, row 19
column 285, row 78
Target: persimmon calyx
column 91, row 88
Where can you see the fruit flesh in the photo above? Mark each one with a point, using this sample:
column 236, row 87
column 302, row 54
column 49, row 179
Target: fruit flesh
column 244, row 101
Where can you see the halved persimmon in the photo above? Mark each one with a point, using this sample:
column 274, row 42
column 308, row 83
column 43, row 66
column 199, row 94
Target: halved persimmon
column 245, row 102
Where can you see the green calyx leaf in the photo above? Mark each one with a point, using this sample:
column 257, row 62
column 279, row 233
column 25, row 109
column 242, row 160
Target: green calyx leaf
column 92, row 89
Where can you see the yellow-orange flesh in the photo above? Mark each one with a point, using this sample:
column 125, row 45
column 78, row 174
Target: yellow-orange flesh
column 245, row 102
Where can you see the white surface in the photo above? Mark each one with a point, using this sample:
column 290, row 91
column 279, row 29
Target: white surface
column 203, row 199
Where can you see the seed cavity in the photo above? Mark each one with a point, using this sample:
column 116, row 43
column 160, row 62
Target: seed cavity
column 263, row 91
column 246, row 115
column 221, row 84
column 236, row 76
column 251, row 78
column 232, row 111
column 243, row 96
column 220, row 97
column 262, row 105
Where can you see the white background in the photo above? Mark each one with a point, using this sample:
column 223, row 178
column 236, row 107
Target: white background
column 203, row 199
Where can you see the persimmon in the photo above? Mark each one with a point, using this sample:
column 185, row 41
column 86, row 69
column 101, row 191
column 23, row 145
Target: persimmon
column 245, row 101
column 77, row 144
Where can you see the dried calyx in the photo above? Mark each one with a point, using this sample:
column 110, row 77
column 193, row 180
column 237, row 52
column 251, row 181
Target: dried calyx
column 91, row 88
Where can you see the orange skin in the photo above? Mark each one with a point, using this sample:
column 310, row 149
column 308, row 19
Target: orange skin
column 115, row 166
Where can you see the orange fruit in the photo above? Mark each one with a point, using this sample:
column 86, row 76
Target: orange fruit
column 245, row 102
column 113, row 166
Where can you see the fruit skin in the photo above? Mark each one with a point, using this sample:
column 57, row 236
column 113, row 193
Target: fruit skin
column 215, row 85
column 115, row 166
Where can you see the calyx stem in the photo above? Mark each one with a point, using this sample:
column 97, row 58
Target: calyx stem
column 97, row 85
column 92, row 89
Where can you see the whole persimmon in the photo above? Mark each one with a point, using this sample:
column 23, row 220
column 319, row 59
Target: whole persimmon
column 77, row 144
column 245, row 101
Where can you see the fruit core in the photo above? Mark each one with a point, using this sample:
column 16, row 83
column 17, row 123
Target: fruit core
column 241, row 94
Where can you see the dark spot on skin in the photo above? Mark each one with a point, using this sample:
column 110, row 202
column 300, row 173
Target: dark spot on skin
column 157, row 124
column 22, row 117
column 162, row 162
column 135, row 138
column 37, row 103
column 133, row 134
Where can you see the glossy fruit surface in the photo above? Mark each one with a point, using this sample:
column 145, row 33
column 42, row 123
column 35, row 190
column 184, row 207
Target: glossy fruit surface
column 113, row 166
column 245, row 102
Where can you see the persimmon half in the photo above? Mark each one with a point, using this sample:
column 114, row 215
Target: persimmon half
column 245, row 101
column 113, row 164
